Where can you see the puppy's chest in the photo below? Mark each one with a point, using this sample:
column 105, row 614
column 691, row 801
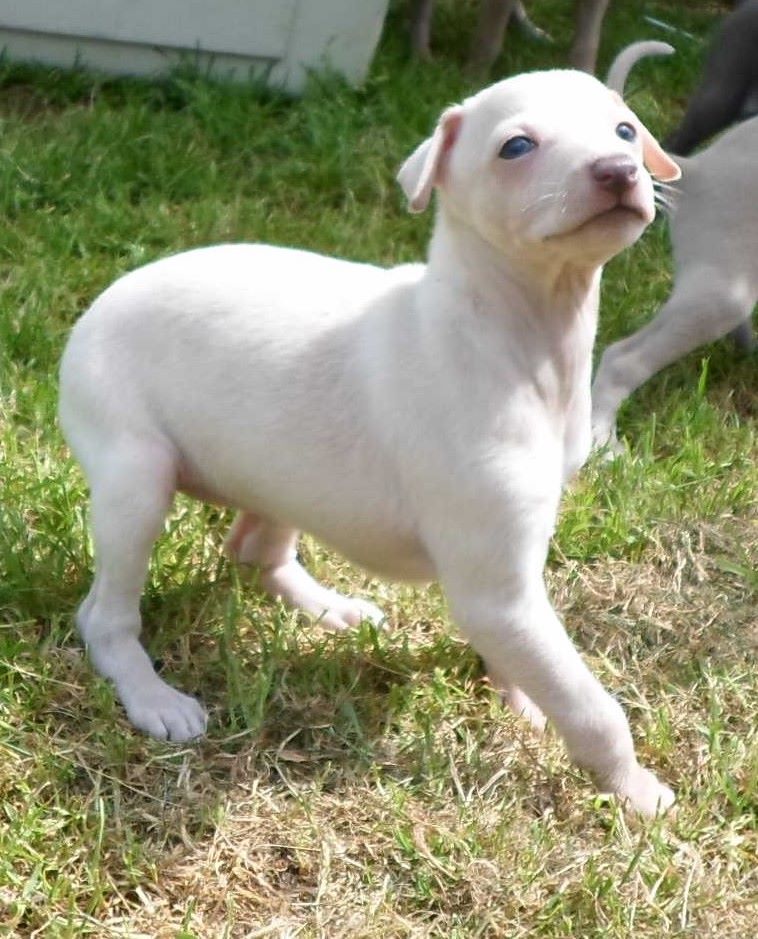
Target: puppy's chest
column 540, row 432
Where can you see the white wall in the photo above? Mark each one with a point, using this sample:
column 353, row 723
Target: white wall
column 280, row 39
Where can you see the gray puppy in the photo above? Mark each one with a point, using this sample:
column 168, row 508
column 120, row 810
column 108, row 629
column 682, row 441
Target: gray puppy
column 728, row 90
column 714, row 234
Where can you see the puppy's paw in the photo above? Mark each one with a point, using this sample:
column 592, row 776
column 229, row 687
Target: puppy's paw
column 163, row 712
column 643, row 793
column 349, row 612
column 292, row 584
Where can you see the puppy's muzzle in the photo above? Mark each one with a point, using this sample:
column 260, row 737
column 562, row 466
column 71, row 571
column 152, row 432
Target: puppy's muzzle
column 616, row 174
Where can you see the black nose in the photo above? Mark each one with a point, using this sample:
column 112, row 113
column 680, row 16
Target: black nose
column 615, row 173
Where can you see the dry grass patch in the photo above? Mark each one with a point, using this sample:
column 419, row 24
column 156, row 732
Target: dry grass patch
column 384, row 790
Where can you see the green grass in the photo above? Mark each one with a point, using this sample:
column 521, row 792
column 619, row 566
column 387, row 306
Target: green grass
column 368, row 784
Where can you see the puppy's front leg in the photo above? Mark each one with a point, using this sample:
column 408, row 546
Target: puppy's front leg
column 498, row 597
column 523, row 639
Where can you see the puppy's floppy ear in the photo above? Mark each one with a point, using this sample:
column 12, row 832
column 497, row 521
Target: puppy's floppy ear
column 424, row 167
column 658, row 162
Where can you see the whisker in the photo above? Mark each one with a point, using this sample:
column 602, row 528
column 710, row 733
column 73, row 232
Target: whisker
column 667, row 197
column 557, row 194
column 667, row 189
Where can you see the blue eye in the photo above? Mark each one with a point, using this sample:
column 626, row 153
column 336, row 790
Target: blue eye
column 517, row 147
column 626, row 132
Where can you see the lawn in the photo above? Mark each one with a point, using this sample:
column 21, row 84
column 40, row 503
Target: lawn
column 369, row 784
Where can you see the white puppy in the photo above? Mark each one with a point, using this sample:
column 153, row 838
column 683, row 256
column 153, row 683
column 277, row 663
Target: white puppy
column 421, row 420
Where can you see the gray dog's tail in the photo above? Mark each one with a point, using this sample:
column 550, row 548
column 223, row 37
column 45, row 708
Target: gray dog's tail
column 629, row 57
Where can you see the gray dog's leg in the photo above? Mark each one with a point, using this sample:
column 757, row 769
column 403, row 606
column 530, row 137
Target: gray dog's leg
column 730, row 78
column 421, row 28
column 703, row 307
column 589, row 23
column 488, row 36
column 743, row 336
column 527, row 26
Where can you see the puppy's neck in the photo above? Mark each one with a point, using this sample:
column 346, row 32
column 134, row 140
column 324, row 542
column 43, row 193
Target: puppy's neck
column 513, row 280
column 543, row 304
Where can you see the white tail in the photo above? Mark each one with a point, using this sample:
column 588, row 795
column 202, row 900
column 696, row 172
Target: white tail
column 629, row 57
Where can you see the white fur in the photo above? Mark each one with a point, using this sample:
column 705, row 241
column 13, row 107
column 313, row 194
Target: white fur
column 422, row 420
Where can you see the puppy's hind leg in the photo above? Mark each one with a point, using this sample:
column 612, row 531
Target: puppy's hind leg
column 523, row 706
column 520, row 703
column 273, row 549
column 132, row 489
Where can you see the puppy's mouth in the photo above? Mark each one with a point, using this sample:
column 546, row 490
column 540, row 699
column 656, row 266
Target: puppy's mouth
column 619, row 213
column 615, row 216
